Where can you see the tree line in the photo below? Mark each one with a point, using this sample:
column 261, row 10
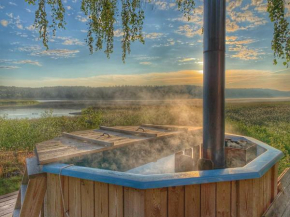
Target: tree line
column 127, row 92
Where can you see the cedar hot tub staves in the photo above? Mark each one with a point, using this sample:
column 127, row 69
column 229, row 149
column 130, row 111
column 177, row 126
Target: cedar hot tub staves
column 86, row 142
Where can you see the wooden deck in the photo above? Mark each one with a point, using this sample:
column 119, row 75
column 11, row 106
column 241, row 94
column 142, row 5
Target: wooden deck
column 7, row 203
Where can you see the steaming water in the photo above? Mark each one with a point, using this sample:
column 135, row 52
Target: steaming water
column 163, row 165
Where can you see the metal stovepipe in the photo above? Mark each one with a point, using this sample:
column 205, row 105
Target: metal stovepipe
column 214, row 82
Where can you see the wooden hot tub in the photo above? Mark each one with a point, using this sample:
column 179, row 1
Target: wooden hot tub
column 108, row 189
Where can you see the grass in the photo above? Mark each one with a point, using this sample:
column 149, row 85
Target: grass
column 4, row 103
column 268, row 122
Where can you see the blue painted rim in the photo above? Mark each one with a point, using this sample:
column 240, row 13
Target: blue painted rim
column 255, row 169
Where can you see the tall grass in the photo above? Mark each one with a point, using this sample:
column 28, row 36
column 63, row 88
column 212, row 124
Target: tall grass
column 23, row 134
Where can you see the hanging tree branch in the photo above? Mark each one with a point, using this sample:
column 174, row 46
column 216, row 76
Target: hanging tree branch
column 281, row 37
column 102, row 17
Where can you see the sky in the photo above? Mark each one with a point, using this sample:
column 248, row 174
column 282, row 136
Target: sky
column 172, row 53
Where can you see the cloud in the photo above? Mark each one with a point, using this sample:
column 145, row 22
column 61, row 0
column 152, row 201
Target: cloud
column 28, row 10
column 245, row 53
column 188, row 31
column 19, row 26
column 4, row 23
column 57, row 53
column 1, row 7
column 30, row 28
column 12, row 3
column 9, row 67
column 10, row 15
column 233, row 40
column 71, row 41
column 145, row 63
column 187, row 59
column 118, row 33
column 247, row 16
column 261, row 8
column 163, row 5
column 36, row 50
column 81, row 18
column 68, row 7
column 168, row 42
column 257, row 2
column 232, row 26
column 153, row 35
column 234, row 4
column 31, row 62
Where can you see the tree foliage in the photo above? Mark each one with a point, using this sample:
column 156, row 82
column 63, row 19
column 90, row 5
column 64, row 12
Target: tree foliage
column 281, row 37
column 102, row 18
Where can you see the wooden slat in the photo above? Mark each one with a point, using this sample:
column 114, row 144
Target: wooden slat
column 18, row 200
column 74, row 197
column 156, row 202
column 274, row 181
column 167, row 127
column 176, row 202
column 258, row 197
column 131, row 132
column 192, row 201
column 233, row 198
column 8, row 195
column 95, row 141
column 208, row 200
column 87, row 198
column 116, row 203
column 281, row 203
column 245, row 198
column 7, row 204
column 223, row 199
column 34, row 197
column 101, row 199
column 267, row 189
column 134, row 204
column 54, row 203
column 65, row 181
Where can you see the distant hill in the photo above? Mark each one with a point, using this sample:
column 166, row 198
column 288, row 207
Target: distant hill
column 128, row 93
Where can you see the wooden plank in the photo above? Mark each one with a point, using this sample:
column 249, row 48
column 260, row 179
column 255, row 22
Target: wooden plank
column 156, row 202
column 274, row 181
column 9, row 195
column 281, row 203
column 74, row 197
column 176, row 202
column 116, row 203
column 223, row 199
column 18, row 200
column 94, row 141
column 233, row 198
column 208, row 200
column 54, row 203
column 245, row 198
column 134, row 202
column 267, row 189
column 101, row 199
column 87, row 198
column 192, row 201
column 34, row 197
column 258, row 197
column 131, row 132
column 167, row 127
